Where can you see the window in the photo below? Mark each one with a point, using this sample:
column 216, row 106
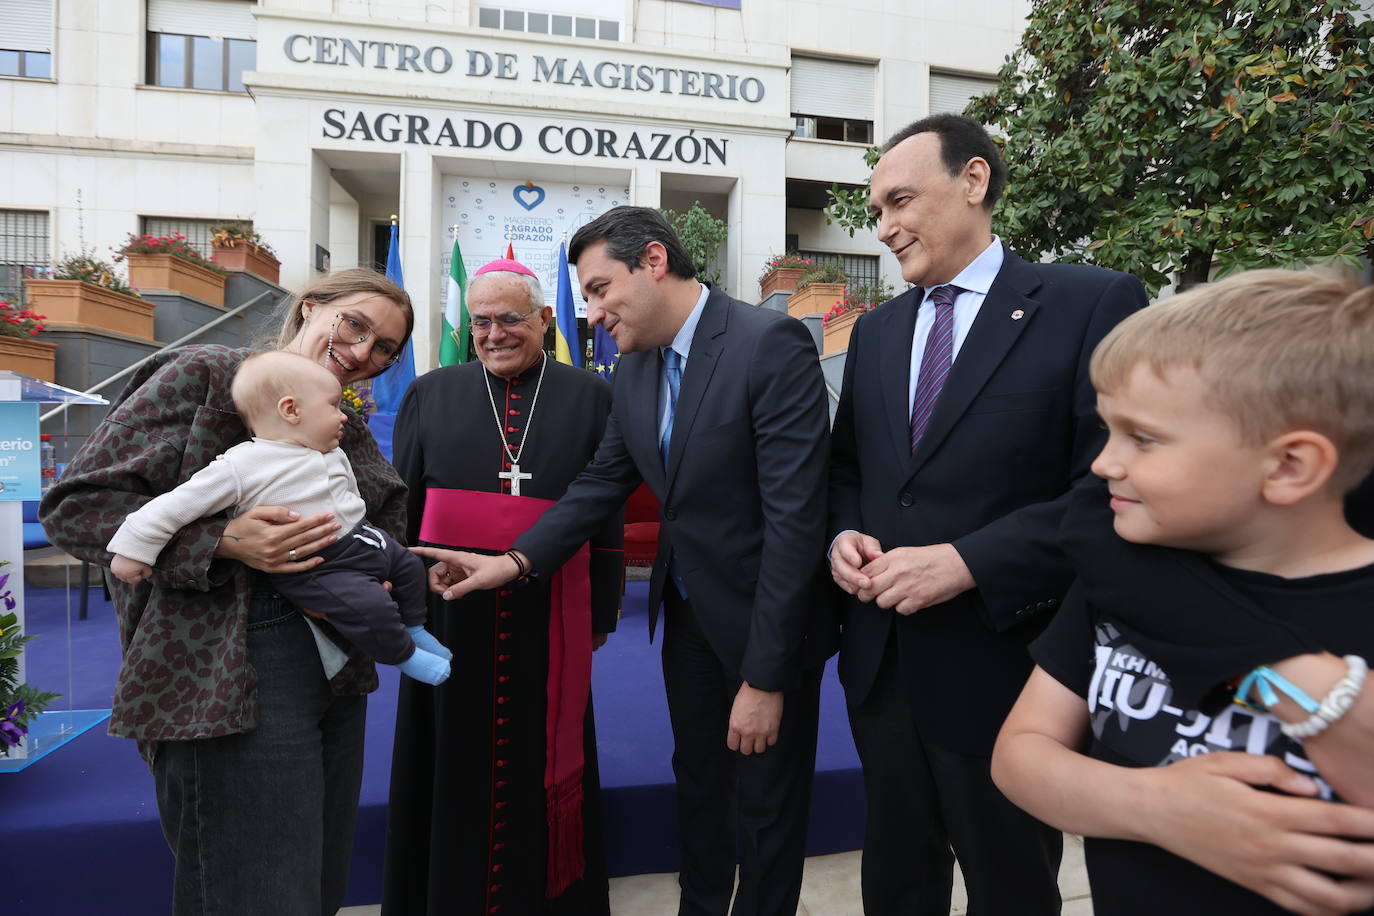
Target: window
column 861, row 268
column 549, row 23
column 196, row 231
column 201, row 44
column 24, row 250
column 950, row 93
column 26, row 38
column 832, row 100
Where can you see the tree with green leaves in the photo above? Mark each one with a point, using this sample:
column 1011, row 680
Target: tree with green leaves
column 702, row 234
column 1161, row 138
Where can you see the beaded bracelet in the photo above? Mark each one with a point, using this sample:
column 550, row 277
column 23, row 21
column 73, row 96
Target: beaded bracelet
column 1335, row 704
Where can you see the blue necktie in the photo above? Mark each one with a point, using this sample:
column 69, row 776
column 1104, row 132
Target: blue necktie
column 672, row 374
column 936, row 360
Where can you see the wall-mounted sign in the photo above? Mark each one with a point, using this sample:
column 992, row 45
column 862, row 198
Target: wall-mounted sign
column 19, row 452
column 565, row 70
column 533, row 217
column 524, row 135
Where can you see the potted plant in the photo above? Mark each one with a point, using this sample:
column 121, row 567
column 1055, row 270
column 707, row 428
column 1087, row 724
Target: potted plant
column 84, row 291
column 20, row 351
column 168, row 263
column 702, row 235
column 19, row 703
column 237, row 248
column 820, row 287
column 838, row 323
column 781, row 273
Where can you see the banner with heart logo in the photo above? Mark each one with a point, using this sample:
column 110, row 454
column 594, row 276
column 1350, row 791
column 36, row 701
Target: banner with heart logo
column 531, row 216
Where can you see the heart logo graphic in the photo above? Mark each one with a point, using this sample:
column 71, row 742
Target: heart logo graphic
column 530, row 196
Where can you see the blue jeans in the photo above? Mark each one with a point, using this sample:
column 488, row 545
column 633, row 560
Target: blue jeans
column 263, row 822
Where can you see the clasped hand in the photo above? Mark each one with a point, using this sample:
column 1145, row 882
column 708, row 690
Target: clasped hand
column 905, row 579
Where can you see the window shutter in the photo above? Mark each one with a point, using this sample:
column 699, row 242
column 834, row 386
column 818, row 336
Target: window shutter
column 950, row 93
column 209, row 18
column 832, row 88
column 26, row 25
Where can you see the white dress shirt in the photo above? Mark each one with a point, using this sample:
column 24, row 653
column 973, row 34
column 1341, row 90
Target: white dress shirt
column 682, row 344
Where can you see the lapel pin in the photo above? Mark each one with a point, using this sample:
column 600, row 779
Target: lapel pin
column 1018, row 315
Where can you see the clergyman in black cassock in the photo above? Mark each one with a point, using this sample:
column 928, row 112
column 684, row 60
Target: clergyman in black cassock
column 467, row 828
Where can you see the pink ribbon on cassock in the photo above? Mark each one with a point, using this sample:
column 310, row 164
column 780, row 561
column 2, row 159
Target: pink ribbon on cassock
column 492, row 521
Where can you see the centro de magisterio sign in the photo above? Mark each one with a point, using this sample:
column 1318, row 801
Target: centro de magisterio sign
column 509, row 137
column 566, row 71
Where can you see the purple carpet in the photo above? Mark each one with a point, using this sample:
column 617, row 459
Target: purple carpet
column 81, row 829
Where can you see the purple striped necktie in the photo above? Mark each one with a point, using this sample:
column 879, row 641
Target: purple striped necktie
column 936, row 359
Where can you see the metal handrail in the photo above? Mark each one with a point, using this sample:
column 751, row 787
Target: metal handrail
column 129, row 370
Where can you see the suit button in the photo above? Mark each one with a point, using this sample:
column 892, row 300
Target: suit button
column 906, row 500
column 670, row 514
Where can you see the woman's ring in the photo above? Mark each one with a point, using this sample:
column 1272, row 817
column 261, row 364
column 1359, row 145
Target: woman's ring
column 292, row 554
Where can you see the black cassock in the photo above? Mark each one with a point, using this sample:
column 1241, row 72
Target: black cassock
column 466, row 830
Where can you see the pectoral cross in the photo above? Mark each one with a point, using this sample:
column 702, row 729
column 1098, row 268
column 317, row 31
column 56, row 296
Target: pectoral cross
column 514, row 476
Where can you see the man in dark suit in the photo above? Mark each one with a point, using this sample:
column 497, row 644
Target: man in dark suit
column 966, row 417
column 720, row 406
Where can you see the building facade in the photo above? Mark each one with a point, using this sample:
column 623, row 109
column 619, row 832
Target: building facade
column 491, row 122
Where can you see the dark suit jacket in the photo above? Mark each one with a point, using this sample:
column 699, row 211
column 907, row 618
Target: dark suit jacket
column 743, row 497
column 1014, row 427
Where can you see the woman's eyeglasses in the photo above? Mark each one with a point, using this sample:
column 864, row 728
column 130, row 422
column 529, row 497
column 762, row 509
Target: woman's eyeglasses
column 353, row 330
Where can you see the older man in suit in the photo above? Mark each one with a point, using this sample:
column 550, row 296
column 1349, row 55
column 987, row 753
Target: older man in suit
column 965, row 418
column 720, row 406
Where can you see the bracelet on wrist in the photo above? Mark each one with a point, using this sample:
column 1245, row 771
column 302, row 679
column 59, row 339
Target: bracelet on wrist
column 1335, row 704
column 1265, row 681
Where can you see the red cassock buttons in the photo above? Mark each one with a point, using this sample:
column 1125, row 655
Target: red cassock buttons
column 500, row 763
column 501, row 741
column 496, row 867
column 503, row 658
column 495, row 888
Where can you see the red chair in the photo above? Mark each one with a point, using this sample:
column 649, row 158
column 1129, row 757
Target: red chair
column 641, row 527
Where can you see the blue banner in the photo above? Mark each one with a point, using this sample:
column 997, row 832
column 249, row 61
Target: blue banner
column 19, row 451
column 389, row 387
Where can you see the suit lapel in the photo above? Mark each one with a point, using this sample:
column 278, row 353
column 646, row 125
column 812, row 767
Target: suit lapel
column 894, row 368
column 640, row 376
column 993, row 334
column 707, row 343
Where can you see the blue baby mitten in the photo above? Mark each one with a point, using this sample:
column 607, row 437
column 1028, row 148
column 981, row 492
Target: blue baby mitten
column 425, row 667
column 425, row 640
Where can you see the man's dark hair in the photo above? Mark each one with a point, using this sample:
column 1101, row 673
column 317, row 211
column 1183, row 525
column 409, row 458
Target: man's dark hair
column 961, row 139
column 626, row 231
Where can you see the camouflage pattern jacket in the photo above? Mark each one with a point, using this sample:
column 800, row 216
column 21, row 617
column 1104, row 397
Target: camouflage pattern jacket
column 185, row 672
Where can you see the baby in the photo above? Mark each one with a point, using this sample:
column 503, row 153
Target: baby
column 291, row 406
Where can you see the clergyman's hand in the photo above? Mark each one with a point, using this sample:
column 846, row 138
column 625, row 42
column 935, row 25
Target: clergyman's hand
column 848, row 555
column 754, row 720
column 458, row 573
column 908, row 579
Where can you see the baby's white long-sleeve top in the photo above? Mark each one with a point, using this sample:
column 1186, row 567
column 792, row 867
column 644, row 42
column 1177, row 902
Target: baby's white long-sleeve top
column 259, row 472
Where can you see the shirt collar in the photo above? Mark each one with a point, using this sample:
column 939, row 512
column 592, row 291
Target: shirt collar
column 682, row 343
column 977, row 277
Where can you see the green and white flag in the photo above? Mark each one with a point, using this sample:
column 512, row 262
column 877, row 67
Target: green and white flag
column 454, row 347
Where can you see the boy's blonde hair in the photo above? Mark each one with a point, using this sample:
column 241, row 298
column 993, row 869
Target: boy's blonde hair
column 265, row 378
column 1277, row 350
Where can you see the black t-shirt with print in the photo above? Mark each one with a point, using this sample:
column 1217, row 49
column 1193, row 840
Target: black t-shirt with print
column 1134, row 723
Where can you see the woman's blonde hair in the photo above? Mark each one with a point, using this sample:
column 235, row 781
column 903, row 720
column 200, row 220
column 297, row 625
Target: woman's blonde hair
column 335, row 286
column 1277, row 351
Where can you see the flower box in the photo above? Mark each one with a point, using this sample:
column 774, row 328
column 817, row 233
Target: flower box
column 74, row 303
column 165, row 272
column 816, row 299
column 34, row 358
column 780, row 280
column 249, row 258
column 836, row 331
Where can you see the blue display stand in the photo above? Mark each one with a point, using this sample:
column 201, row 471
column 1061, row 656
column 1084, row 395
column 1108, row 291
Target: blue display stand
column 57, row 725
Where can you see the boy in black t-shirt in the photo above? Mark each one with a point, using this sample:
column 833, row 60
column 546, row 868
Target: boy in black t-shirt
column 1239, row 414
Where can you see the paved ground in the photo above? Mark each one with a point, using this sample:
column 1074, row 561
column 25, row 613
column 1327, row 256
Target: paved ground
column 830, row 888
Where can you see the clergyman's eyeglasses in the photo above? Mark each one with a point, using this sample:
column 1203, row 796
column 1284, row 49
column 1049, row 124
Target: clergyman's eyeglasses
column 508, row 320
